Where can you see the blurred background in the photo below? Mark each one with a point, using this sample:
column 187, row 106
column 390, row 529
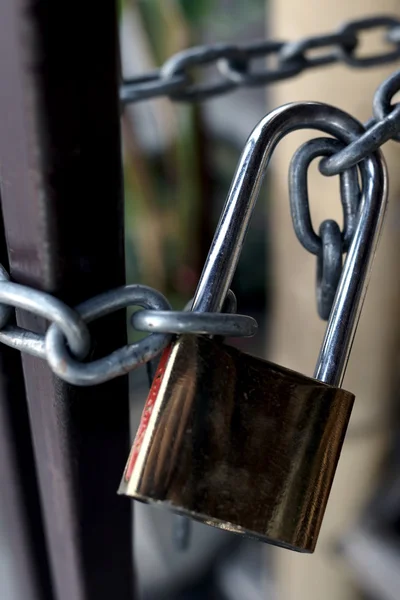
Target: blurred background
column 178, row 162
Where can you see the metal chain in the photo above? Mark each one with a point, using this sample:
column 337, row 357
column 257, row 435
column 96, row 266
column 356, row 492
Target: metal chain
column 67, row 341
column 340, row 160
column 237, row 63
column 383, row 126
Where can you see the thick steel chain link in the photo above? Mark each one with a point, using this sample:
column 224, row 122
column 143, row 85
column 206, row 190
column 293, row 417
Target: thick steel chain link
column 340, row 160
column 331, row 243
column 237, row 63
column 382, row 127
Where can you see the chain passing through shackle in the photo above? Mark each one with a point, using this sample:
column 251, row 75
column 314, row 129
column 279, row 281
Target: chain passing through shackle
column 150, row 320
column 228, row 241
column 237, row 442
column 67, row 341
column 383, row 126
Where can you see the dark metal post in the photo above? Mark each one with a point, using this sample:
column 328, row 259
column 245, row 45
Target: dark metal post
column 62, row 205
column 23, row 561
column 23, row 558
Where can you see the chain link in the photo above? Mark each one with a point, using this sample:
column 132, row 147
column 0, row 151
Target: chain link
column 349, row 55
column 67, row 340
column 331, row 243
column 329, row 266
column 236, row 63
column 298, row 193
column 340, row 160
column 44, row 305
column 384, row 126
column 382, row 105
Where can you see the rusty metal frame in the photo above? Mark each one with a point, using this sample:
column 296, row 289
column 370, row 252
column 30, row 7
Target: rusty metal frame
column 61, row 196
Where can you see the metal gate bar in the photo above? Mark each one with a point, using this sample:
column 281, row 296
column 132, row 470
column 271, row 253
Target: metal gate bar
column 62, row 205
column 23, row 559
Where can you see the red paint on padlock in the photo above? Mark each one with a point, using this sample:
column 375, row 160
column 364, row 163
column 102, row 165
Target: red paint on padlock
column 147, row 411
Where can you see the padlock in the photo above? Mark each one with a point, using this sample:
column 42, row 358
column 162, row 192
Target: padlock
column 235, row 441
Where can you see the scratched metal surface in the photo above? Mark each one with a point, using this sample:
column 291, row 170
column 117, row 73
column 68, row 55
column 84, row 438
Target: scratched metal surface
column 238, row 443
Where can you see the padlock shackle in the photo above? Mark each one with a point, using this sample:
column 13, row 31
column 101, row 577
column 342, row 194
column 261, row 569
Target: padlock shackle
column 228, row 240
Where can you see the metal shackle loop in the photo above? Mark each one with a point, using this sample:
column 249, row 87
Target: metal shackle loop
column 228, row 240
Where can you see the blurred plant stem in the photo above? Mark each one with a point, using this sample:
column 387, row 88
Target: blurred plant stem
column 166, row 26
column 165, row 198
column 143, row 225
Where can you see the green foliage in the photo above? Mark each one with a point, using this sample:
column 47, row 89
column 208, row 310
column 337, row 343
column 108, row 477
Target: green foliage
column 196, row 10
column 120, row 8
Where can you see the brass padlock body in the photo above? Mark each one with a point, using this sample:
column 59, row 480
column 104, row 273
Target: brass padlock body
column 239, row 443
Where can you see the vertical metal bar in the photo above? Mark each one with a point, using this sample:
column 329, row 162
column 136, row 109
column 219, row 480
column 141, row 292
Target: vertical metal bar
column 23, row 560
column 62, row 204
column 18, row 568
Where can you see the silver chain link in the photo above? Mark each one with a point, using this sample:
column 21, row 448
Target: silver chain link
column 236, row 64
column 382, row 127
column 67, row 341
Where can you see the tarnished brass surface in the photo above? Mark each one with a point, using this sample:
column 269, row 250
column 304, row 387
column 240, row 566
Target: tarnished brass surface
column 238, row 443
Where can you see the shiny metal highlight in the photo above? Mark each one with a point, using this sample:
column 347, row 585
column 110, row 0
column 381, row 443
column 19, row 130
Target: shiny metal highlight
column 69, row 321
column 227, row 325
